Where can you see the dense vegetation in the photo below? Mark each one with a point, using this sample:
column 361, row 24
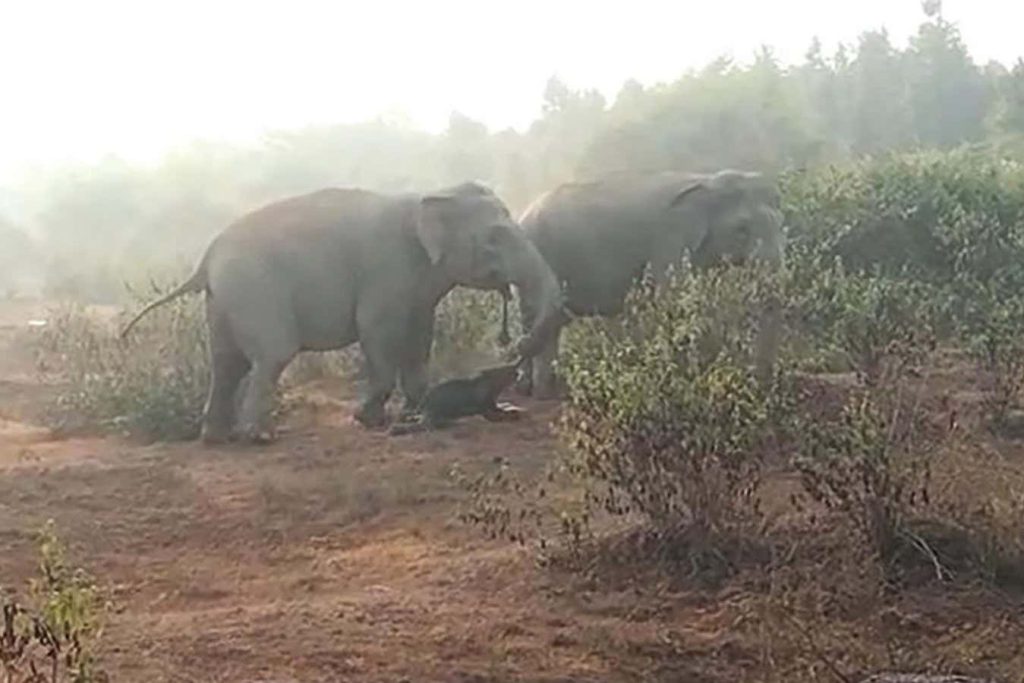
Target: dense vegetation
column 903, row 276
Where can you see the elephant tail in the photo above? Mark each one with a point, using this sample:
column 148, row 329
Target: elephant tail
column 195, row 284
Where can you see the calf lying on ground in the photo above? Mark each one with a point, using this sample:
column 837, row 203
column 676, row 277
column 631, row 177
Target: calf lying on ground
column 456, row 398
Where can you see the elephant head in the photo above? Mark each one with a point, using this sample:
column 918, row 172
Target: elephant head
column 728, row 216
column 731, row 216
column 470, row 236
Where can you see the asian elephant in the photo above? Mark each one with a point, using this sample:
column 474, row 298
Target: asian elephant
column 599, row 236
column 323, row 270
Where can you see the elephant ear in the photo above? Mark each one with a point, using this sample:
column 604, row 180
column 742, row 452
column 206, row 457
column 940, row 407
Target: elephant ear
column 679, row 197
column 700, row 233
column 431, row 227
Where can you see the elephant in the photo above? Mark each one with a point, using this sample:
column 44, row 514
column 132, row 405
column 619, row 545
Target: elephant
column 599, row 236
column 324, row 270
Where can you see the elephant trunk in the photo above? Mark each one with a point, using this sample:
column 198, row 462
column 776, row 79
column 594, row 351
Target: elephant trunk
column 773, row 243
column 504, row 338
column 541, row 299
column 772, row 251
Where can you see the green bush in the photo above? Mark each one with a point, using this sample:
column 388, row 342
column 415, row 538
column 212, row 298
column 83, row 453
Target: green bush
column 870, row 323
column 669, row 422
column 869, row 465
column 152, row 384
column 994, row 336
column 937, row 216
column 668, row 428
column 54, row 638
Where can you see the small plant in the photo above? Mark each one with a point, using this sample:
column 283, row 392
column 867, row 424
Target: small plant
column 995, row 337
column 152, row 385
column 977, row 513
column 871, row 465
column 54, row 640
column 879, row 325
column 491, row 505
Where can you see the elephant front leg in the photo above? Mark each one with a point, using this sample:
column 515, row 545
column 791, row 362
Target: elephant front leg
column 382, row 370
column 413, row 381
column 545, row 382
column 525, row 385
column 412, row 374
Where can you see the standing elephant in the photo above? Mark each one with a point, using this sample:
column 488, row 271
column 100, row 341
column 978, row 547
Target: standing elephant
column 323, row 270
column 599, row 236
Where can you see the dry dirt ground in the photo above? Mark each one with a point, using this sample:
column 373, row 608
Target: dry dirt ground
column 334, row 555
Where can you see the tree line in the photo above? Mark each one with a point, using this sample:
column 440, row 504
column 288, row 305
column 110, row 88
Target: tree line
column 100, row 224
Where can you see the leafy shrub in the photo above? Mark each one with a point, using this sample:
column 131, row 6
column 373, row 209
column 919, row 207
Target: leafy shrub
column 870, row 464
column 994, row 335
column 152, row 384
column 55, row 638
column 937, row 216
column 876, row 324
column 669, row 422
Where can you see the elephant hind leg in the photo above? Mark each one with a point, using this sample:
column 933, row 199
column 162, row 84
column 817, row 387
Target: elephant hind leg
column 256, row 420
column 265, row 329
column 524, row 385
column 228, row 368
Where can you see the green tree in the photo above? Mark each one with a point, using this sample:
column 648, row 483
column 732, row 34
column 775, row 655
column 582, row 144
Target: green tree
column 569, row 121
column 948, row 93
column 881, row 115
column 1010, row 111
column 466, row 150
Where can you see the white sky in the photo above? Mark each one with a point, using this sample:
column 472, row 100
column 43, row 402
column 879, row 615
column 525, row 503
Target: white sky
column 82, row 78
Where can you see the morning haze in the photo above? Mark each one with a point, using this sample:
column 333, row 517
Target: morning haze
column 512, row 342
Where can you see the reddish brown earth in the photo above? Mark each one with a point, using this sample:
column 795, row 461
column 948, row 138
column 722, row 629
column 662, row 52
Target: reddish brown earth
column 334, row 555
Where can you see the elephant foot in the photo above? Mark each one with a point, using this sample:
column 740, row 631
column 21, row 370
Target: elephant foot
column 504, row 412
column 408, row 413
column 523, row 387
column 259, row 437
column 215, row 436
column 372, row 418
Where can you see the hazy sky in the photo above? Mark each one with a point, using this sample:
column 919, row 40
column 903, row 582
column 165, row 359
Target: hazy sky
column 82, row 78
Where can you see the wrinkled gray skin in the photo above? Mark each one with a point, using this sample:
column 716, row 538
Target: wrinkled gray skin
column 599, row 236
column 324, row 270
